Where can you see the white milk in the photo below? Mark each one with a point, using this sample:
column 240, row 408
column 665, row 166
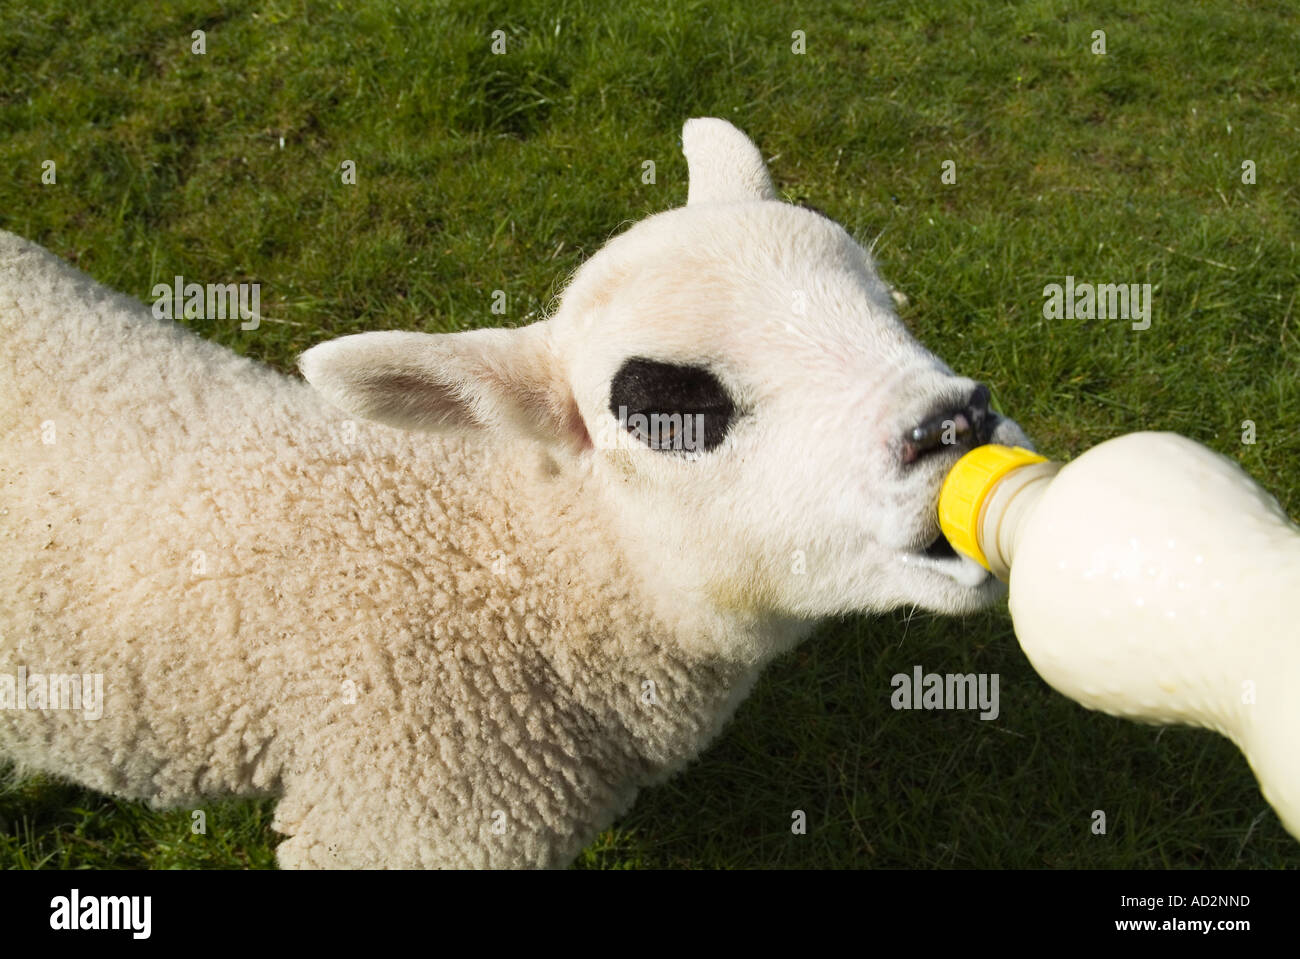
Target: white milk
column 1152, row 578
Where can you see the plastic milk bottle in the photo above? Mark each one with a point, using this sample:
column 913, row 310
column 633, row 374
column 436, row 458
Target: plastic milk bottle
column 1150, row 578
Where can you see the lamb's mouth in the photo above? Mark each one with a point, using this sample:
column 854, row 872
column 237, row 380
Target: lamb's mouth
column 940, row 549
column 940, row 557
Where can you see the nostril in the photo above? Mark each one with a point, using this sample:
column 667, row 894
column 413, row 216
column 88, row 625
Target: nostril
column 963, row 426
column 948, row 428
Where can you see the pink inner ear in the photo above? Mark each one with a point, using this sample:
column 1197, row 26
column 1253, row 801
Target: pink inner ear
column 537, row 393
column 416, row 401
column 575, row 428
column 555, row 418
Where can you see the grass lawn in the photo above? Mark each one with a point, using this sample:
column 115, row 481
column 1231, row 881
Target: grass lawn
column 477, row 172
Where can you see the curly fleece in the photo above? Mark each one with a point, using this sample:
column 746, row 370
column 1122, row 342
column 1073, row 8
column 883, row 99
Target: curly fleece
column 429, row 649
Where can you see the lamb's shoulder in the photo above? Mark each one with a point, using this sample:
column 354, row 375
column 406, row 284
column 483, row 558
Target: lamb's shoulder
column 512, row 689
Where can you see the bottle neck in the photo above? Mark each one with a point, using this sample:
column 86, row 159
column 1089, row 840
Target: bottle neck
column 1005, row 507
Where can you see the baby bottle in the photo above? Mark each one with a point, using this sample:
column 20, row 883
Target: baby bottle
column 1150, row 578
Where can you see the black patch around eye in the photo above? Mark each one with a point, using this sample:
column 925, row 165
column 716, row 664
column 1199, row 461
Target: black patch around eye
column 670, row 406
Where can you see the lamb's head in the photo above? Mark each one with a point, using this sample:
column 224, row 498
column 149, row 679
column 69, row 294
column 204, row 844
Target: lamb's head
column 732, row 379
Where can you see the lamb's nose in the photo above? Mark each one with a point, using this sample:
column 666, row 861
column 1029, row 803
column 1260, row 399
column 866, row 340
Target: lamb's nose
column 960, row 427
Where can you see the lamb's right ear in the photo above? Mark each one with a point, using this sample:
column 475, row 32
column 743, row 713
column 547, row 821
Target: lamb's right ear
column 723, row 164
column 480, row 379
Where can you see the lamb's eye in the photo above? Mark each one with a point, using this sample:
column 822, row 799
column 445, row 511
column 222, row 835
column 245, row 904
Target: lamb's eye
column 671, row 406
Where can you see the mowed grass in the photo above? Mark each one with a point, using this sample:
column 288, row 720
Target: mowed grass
column 478, row 172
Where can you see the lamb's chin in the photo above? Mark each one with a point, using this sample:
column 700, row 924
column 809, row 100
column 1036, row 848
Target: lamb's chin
column 962, row 570
column 951, row 585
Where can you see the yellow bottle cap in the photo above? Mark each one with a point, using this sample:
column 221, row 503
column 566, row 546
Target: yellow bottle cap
column 968, row 483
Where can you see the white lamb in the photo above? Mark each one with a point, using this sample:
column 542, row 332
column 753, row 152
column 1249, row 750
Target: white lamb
column 467, row 632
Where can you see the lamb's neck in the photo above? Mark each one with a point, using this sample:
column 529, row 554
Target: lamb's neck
column 670, row 669
column 530, row 547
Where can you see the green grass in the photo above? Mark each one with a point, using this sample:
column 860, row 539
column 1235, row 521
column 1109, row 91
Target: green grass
column 480, row 172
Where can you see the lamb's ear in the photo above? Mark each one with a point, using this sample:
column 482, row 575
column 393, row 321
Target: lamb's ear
column 723, row 164
column 480, row 379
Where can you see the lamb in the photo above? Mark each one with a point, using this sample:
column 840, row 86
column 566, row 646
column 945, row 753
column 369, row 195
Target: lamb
column 457, row 597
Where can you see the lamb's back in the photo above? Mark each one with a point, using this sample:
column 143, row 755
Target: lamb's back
column 199, row 529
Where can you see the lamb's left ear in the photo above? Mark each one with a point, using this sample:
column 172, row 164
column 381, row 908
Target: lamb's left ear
column 480, row 379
